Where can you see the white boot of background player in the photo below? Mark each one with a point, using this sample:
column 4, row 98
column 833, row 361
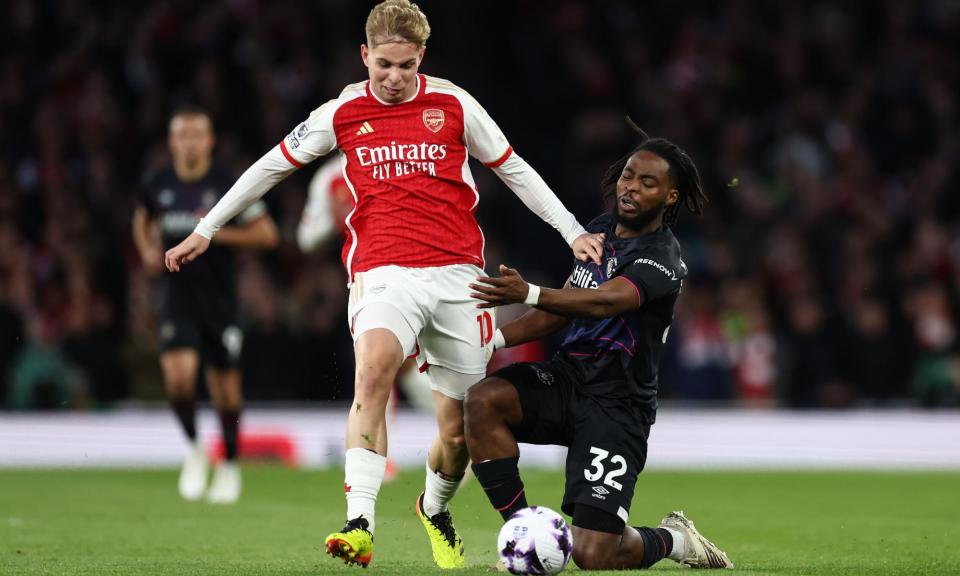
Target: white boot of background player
column 193, row 475
column 225, row 488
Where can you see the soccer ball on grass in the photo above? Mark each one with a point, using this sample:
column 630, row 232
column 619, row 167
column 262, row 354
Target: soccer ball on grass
column 535, row 540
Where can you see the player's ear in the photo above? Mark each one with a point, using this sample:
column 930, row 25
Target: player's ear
column 423, row 50
column 365, row 55
column 672, row 196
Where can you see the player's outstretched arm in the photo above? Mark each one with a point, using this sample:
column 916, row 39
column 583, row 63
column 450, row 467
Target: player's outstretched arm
column 527, row 184
column 260, row 177
column 613, row 297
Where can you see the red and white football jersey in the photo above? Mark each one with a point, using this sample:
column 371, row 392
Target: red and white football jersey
column 406, row 165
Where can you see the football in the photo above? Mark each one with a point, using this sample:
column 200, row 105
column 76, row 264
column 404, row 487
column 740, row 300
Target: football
column 535, row 540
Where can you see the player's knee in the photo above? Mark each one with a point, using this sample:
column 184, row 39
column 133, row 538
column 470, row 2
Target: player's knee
column 454, row 443
column 373, row 385
column 591, row 555
column 179, row 385
column 478, row 406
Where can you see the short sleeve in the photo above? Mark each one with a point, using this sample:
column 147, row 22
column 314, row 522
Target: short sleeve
column 652, row 276
column 312, row 138
column 483, row 138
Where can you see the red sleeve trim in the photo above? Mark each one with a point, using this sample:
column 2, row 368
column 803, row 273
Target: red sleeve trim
column 501, row 159
column 288, row 156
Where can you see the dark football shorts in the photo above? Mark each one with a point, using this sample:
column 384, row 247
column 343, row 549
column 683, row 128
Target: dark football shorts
column 606, row 440
column 217, row 340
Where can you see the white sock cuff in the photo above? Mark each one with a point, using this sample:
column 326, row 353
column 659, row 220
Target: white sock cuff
column 438, row 491
column 362, row 476
column 442, row 478
column 364, row 463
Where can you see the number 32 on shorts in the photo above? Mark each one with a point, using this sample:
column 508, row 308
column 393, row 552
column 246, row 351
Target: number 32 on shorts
column 596, row 469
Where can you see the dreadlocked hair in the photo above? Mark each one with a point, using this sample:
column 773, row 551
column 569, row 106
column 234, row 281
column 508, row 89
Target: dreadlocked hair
column 684, row 172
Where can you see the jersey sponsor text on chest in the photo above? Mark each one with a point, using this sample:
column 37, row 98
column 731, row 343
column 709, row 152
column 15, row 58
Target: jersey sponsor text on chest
column 401, row 159
column 583, row 278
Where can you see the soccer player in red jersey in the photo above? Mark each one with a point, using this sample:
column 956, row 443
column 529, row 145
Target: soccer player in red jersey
column 413, row 247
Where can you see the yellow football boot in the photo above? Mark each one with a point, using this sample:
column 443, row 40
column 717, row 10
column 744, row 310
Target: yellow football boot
column 446, row 543
column 353, row 544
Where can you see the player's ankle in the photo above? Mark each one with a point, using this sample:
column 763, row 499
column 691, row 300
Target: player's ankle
column 501, row 481
column 658, row 543
column 363, row 475
column 439, row 489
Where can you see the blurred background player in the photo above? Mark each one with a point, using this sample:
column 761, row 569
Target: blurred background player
column 198, row 309
column 598, row 395
column 329, row 201
column 413, row 246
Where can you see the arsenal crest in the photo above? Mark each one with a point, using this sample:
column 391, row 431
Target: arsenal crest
column 433, row 119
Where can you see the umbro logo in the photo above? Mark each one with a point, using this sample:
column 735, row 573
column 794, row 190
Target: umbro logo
column 601, row 490
column 365, row 128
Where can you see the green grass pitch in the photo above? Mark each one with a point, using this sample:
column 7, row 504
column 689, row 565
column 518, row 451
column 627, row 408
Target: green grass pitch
column 105, row 522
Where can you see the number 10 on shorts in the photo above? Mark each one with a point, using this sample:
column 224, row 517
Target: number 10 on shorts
column 485, row 321
column 596, row 469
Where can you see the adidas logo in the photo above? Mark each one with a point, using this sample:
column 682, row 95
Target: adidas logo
column 365, row 128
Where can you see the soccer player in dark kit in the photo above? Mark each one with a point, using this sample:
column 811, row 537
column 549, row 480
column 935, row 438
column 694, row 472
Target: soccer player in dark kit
column 598, row 395
column 198, row 307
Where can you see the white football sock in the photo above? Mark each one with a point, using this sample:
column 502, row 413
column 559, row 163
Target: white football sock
column 678, row 542
column 438, row 492
column 363, row 474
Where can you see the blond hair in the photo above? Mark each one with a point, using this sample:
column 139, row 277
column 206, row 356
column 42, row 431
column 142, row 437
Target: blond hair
column 396, row 20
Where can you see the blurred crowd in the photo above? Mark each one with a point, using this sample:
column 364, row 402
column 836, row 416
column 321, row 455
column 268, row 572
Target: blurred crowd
column 825, row 272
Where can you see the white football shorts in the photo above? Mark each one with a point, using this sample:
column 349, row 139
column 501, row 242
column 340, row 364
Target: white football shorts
column 431, row 313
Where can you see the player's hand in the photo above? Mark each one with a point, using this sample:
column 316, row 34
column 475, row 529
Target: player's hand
column 509, row 288
column 187, row 251
column 589, row 247
column 152, row 260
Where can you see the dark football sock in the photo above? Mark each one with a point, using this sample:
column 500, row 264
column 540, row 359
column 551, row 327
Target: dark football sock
column 501, row 481
column 230, row 424
column 657, row 544
column 185, row 409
